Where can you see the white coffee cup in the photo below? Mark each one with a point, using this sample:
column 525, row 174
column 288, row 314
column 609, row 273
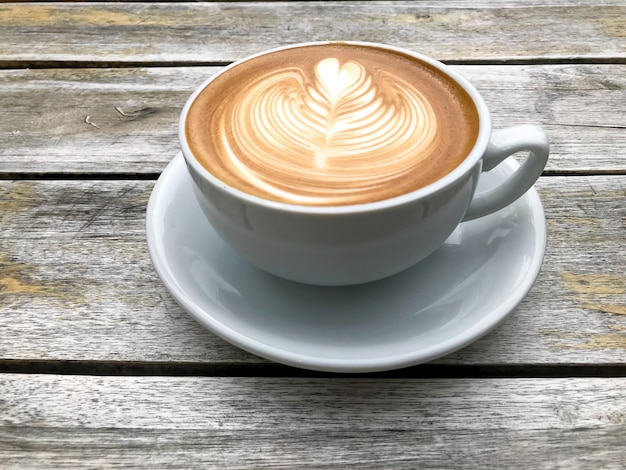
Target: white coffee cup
column 352, row 244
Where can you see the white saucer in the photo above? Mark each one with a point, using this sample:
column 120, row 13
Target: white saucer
column 444, row 303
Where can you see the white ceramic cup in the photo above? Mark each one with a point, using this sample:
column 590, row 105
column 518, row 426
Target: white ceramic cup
column 353, row 244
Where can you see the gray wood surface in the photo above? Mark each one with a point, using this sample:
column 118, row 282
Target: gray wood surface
column 200, row 422
column 76, row 282
column 33, row 33
column 125, row 120
column 93, row 90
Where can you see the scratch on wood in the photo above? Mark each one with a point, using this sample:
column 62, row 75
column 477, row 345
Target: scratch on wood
column 88, row 121
column 132, row 115
column 103, row 208
column 593, row 190
column 122, row 113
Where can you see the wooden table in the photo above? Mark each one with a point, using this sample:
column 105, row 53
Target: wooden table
column 101, row 368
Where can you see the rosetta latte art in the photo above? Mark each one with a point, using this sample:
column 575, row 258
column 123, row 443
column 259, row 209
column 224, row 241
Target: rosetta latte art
column 326, row 139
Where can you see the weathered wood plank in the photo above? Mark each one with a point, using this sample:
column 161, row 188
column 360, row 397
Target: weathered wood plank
column 125, row 120
column 174, row 422
column 425, row 3
column 224, row 31
column 76, row 282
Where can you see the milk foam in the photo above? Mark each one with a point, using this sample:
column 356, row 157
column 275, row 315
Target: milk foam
column 331, row 125
column 349, row 128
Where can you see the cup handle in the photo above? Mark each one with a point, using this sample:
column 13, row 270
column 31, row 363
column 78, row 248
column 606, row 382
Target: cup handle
column 504, row 143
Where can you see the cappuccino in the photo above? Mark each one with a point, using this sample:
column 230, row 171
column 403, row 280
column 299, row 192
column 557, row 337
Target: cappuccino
column 331, row 125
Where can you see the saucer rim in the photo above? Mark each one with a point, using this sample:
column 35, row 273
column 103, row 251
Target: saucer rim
column 248, row 343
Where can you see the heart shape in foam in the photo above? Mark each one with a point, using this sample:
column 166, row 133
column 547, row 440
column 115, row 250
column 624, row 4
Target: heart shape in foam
column 337, row 80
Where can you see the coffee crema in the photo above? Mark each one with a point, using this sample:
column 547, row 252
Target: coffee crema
column 331, row 124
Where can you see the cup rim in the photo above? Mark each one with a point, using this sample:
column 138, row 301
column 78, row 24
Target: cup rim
column 466, row 166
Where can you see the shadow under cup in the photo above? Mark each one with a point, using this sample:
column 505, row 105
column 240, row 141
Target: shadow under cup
column 341, row 244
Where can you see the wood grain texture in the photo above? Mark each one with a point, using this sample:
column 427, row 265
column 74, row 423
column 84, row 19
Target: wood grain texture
column 225, row 31
column 78, row 293
column 425, row 3
column 76, row 282
column 106, row 422
column 125, row 120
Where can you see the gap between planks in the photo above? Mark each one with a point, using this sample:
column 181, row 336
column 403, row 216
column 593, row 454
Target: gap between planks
column 70, row 64
column 90, row 176
column 193, row 369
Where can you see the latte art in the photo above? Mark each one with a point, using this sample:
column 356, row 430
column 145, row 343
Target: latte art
column 346, row 119
column 328, row 126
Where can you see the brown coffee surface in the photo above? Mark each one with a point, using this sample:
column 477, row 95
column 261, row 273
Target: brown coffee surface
column 330, row 125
